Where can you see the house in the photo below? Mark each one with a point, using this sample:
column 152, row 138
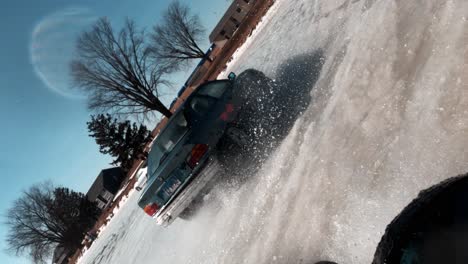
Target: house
column 227, row 26
column 105, row 187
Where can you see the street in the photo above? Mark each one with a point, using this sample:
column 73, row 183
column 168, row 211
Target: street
column 388, row 117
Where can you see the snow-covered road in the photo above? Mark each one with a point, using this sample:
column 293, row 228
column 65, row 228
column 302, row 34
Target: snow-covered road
column 389, row 117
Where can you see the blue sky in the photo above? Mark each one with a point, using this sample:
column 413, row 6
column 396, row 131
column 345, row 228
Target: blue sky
column 43, row 133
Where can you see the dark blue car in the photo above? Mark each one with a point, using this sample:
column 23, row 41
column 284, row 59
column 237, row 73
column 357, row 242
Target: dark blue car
column 182, row 150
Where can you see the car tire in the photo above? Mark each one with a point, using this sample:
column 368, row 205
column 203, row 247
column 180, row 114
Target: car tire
column 187, row 214
column 192, row 209
column 238, row 137
column 233, row 146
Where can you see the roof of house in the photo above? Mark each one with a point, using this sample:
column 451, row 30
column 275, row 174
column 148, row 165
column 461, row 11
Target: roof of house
column 109, row 179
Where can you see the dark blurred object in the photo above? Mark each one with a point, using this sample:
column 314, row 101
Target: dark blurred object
column 433, row 228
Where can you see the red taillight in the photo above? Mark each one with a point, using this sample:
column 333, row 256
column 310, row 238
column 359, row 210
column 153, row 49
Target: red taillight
column 151, row 209
column 227, row 114
column 197, row 154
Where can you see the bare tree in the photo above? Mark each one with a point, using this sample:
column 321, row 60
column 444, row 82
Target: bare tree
column 115, row 71
column 46, row 216
column 176, row 39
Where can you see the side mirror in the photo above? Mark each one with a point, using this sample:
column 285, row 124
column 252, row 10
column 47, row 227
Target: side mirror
column 232, row 76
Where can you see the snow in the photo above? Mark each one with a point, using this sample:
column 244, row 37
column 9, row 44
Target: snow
column 389, row 117
column 138, row 173
column 261, row 24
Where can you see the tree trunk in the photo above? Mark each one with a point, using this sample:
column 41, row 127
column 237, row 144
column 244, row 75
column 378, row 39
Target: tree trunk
column 166, row 112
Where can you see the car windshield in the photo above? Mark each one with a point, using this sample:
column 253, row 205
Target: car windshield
column 205, row 97
column 166, row 141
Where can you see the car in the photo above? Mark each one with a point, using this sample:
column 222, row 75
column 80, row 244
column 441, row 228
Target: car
column 141, row 177
column 180, row 162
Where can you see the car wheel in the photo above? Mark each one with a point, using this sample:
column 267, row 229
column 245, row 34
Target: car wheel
column 233, row 146
column 191, row 210
column 238, row 137
column 187, row 214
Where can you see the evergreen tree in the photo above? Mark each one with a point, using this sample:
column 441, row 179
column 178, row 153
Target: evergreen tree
column 125, row 141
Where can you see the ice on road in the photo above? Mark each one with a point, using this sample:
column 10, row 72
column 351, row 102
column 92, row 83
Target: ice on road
column 388, row 117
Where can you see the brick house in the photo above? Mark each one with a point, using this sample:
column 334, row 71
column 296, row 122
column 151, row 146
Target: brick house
column 231, row 20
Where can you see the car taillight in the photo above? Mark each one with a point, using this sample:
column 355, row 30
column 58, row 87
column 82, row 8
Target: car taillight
column 227, row 114
column 197, row 154
column 151, row 209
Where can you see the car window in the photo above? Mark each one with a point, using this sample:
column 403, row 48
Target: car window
column 166, row 140
column 201, row 104
column 172, row 133
column 213, row 89
column 205, row 96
